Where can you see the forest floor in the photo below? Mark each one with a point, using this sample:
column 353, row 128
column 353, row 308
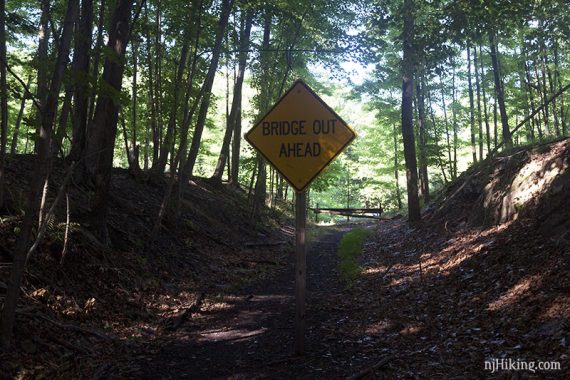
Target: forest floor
column 479, row 296
column 485, row 279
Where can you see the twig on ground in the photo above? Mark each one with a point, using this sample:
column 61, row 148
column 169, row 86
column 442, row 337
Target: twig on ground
column 365, row 372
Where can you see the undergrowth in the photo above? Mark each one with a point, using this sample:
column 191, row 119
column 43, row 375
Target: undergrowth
column 349, row 250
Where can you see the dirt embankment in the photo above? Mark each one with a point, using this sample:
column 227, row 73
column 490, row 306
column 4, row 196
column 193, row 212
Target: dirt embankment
column 486, row 278
column 532, row 183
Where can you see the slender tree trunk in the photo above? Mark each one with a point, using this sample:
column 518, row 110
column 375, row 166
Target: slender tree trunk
column 506, row 133
column 205, row 104
column 541, row 99
column 14, row 145
column 396, row 166
column 529, row 91
column 96, row 60
column 558, row 81
column 414, row 215
column 61, row 130
column 260, row 188
column 132, row 148
column 39, row 178
column 158, row 73
column 478, row 89
column 447, row 137
column 261, row 185
column 237, row 94
column 81, row 74
column 495, row 122
column 454, row 113
column 485, row 112
column 101, row 144
column 525, row 88
column 551, row 87
column 437, row 156
column 167, row 144
column 559, row 84
column 423, row 169
column 44, row 35
column 151, row 95
column 236, row 148
column 3, row 100
column 471, row 105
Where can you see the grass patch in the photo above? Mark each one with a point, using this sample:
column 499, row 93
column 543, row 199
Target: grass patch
column 349, row 250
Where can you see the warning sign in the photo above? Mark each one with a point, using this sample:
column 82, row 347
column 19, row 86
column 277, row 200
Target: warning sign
column 300, row 136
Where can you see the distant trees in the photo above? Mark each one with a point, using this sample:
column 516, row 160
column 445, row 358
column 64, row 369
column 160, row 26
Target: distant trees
column 480, row 70
column 485, row 75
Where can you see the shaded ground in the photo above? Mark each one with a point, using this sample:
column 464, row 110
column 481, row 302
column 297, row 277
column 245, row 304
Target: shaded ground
column 486, row 278
column 249, row 333
column 431, row 303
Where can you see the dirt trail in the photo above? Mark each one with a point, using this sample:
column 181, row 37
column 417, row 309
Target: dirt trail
column 249, row 332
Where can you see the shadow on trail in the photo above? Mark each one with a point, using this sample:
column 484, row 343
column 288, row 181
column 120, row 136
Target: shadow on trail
column 249, row 333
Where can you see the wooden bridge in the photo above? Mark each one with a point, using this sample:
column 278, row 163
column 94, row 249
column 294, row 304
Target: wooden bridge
column 372, row 213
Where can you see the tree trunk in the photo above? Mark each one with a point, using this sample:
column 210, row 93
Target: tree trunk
column 14, row 145
column 552, row 91
column 526, row 95
column 541, row 100
column 237, row 93
column 151, row 95
column 133, row 147
column 471, row 105
column 447, row 138
column 43, row 42
column 454, row 113
column 39, row 178
column 414, row 215
column 260, row 185
column 506, row 133
column 3, row 100
column 167, row 145
column 97, row 53
column 495, row 122
column 478, row 89
column 61, row 130
column 437, row 156
column 101, row 143
column 423, row 172
column 260, row 188
column 236, row 148
column 158, row 72
column 485, row 113
column 396, row 164
column 81, row 75
column 208, row 82
column 559, row 84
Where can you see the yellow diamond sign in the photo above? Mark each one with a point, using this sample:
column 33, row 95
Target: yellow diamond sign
column 300, row 136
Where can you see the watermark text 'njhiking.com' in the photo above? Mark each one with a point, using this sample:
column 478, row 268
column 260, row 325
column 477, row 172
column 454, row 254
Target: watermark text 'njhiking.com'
column 509, row 364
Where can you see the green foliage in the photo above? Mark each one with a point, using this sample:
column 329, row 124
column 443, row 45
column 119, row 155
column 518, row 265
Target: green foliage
column 349, row 251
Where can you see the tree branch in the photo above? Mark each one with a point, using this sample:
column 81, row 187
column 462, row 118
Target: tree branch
column 26, row 88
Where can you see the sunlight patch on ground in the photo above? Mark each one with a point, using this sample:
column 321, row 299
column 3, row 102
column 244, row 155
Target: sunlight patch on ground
column 515, row 293
column 560, row 308
column 234, row 334
column 379, row 327
column 471, row 244
column 411, row 329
